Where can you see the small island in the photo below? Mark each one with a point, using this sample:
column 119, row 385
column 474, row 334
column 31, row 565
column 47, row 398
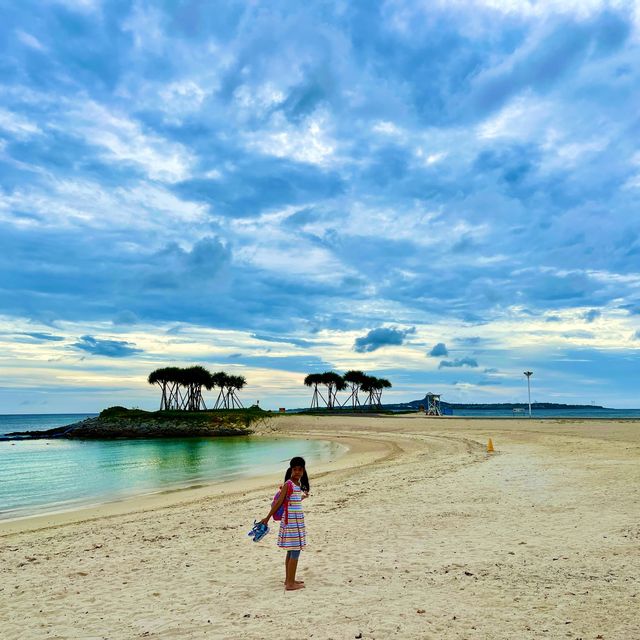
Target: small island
column 121, row 423
column 182, row 414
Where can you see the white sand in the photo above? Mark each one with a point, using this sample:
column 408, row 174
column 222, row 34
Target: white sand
column 417, row 533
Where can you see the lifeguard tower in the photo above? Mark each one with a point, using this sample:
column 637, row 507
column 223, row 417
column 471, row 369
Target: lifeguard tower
column 433, row 404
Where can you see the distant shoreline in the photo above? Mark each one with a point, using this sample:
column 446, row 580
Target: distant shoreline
column 135, row 424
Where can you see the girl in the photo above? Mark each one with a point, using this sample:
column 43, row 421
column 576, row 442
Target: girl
column 291, row 536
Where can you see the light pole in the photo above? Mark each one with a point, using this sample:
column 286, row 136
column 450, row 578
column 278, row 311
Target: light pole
column 529, row 374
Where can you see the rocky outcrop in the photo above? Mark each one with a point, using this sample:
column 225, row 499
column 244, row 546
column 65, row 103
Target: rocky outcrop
column 145, row 426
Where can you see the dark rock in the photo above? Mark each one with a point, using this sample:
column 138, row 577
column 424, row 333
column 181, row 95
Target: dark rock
column 202, row 425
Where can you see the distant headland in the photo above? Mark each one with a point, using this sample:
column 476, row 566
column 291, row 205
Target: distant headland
column 496, row 406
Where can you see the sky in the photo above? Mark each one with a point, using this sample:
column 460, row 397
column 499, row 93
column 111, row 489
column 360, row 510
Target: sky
column 444, row 194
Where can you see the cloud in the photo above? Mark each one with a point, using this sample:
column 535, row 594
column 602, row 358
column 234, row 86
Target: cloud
column 302, row 170
column 458, row 362
column 298, row 364
column 283, row 340
column 636, row 335
column 488, row 382
column 125, row 318
column 439, row 349
column 43, row 336
column 307, row 143
column 381, row 337
column 259, row 184
column 122, row 140
column 540, row 63
column 28, row 40
column 109, row 348
column 17, row 125
column 591, row 315
column 579, row 334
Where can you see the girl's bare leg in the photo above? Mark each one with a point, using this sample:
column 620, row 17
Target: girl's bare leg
column 286, row 562
column 290, row 581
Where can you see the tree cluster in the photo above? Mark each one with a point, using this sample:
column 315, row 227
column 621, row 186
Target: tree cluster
column 181, row 388
column 355, row 382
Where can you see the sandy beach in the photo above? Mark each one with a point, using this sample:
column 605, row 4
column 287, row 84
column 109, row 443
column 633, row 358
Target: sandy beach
column 417, row 532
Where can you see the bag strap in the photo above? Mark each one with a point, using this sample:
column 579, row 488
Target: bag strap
column 285, row 515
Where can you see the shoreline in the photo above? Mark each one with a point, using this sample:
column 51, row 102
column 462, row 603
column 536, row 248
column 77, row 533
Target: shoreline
column 357, row 452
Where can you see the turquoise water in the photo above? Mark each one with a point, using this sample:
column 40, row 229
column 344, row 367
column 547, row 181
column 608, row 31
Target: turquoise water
column 51, row 475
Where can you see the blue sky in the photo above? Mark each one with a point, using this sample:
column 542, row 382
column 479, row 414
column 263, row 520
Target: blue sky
column 441, row 193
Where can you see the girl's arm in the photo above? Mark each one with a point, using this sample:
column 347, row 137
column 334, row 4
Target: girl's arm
column 278, row 504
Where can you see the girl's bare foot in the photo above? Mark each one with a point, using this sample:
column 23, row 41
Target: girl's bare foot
column 294, row 586
column 297, row 582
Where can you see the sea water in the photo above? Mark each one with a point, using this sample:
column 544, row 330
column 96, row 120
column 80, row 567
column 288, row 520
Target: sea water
column 39, row 421
column 39, row 476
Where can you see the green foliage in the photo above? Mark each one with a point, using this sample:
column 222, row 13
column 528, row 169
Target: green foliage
column 354, row 380
column 182, row 387
column 114, row 411
column 313, row 379
column 251, row 414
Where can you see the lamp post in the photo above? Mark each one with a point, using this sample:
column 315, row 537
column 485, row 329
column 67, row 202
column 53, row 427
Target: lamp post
column 529, row 374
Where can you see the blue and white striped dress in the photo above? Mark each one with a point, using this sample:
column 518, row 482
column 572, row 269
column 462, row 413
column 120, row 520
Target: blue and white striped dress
column 292, row 535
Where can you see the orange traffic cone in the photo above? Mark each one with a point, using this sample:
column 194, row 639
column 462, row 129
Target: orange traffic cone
column 490, row 446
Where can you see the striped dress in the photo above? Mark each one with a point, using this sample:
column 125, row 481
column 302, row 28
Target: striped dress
column 292, row 535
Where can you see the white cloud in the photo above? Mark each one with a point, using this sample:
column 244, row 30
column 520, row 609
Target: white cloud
column 82, row 6
column 429, row 159
column 522, row 118
column 125, row 141
column 632, row 183
column 570, row 152
column 72, row 203
column 432, row 158
column 258, row 99
column 388, row 128
column 183, row 96
column 29, row 40
column 293, row 258
column 145, row 26
column 17, row 125
column 545, row 123
column 537, row 8
column 310, row 142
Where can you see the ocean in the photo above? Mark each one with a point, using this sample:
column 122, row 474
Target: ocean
column 38, row 421
column 39, row 476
